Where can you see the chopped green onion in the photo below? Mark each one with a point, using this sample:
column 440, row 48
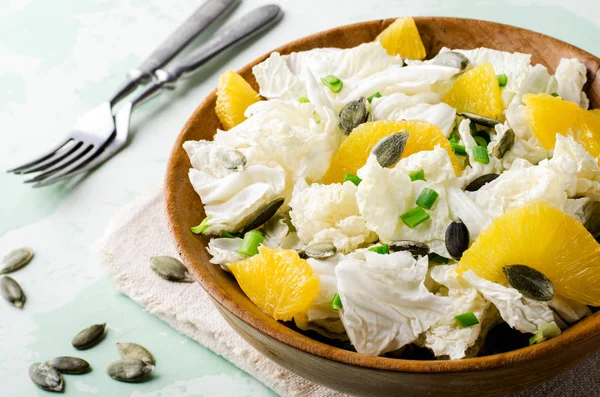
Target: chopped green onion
column 252, row 240
column 473, row 127
column 334, row 84
column 414, row 217
column 202, row 226
column 480, row 141
column 550, row 330
column 484, row 135
column 454, row 137
column 336, row 303
column 375, row 95
column 427, row 198
column 303, row 99
column 381, row 249
column 466, row 320
column 417, row 175
column 433, row 257
column 229, row 235
column 480, row 154
column 554, row 94
column 458, row 149
column 352, row 178
column 502, row 79
column 538, row 337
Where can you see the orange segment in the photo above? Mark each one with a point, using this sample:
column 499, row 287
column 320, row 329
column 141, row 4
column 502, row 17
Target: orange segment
column 402, row 38
column 354, row 151
column 477, row 91
column 278, row 282
column 234, row 95
column 548, row 116
column 545, row 238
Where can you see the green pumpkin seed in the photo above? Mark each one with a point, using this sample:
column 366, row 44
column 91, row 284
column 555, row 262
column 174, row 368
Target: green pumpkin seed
column 457, row 238
column 452, row 59
column 320, row 250
column 232, row 159
column 478, row 182
column 15, row 260
column 416, row 248
column 480, row 120
column 506, row 143
column 129, row 370
column 46, row 377
column 170, row 269
column 133, row 350
column 389, row 149
column 591, row 211
column 12, row 292
column 89, row 337
column 353, row 114
column 70, row 365
column 263, row 214
column 529, row 282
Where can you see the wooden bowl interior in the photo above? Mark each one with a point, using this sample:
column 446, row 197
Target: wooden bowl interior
column 184, row 208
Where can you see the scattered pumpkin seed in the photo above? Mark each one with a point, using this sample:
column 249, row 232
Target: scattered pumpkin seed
column 506, row 143
column 529, row 282
column 129, row 370
column 480, row 120
column 591, row 211
column 263, row 214
column 15, row 260
column 478, row 182
column 416, row 248
column 170, row 269
column 133, row 350
column 389, row 149
column 12, row 292
column 457, row 238
column 320, row 250
column 452, row 59
column 353, row 114
column 89, row 337
column 232, row 159
column 46, row 377
column 70, row 365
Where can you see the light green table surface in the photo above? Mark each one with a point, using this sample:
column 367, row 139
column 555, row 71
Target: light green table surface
column 58, row 59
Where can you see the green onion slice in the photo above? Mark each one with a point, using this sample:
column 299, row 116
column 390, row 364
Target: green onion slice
column 454, row 137
column 303, row 99
column 538, row 337
column 383, row 249
column 414, row 217
column 252, row 240
column 417, row 175
column 502, row 79
column 473, row 127
column 375, row 95
column 334, row 84
column 554, row 94
column 466, row 320
column 433, row 257
column 229, row 235
column 202, row 226
column 480, row 154
column 458, row 149
column 427, row 198
column 352, row 178
column 336, row 303
column 480, row 141
column 484, row 135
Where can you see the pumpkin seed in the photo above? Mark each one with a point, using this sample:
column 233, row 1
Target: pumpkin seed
column 129, row 370
column 232, row 159
column 506, row 143
column 12, row 292
column 263, row 214
column 89, row 337
column 457, row 238
column 133, row 350
column 478, row 182
column 320, row 250
column 480, row 120
column 591, row 211
column 170, row 269
column 15, row 260
column 70, row 365
column 416, row 248
column 389, row 149
column 452, row 59
column 529, row 282
column 353, row 114
column 46, row 377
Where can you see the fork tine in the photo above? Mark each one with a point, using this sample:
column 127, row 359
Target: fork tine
column 76, row 155
column 39, row 159
column 60, row 156
column 88, row 161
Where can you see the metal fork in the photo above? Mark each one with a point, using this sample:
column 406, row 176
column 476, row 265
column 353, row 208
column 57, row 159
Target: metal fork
column 92, row 131
column 237, row 32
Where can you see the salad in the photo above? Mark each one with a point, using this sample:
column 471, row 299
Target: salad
column 448, row 207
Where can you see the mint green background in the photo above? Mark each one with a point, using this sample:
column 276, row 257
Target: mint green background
column 68, row 68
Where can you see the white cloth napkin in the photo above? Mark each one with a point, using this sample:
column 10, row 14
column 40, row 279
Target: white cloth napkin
column 139, row 231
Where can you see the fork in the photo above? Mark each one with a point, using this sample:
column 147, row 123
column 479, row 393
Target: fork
column 235, row 33
column 93, row 130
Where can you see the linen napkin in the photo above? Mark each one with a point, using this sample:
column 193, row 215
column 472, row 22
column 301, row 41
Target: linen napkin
column 139, row 231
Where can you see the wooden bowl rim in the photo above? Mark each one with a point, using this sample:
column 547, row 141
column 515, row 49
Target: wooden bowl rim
column 588, row 328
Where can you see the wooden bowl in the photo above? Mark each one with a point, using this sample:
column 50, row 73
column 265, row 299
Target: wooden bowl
column 348, row 371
